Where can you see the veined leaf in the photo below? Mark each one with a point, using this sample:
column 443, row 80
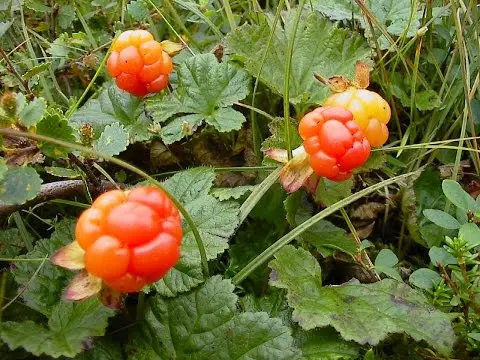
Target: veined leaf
column 208, row 326
column 365, row 313
column 19, row 185
column 115, row 106
column 216, row 221
column 206, row 91
column 69, row 325
column 320, row 47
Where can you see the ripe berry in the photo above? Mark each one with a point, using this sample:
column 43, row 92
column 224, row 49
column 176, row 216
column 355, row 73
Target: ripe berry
column 139, row 63
column 334, row 142
column 130, row 238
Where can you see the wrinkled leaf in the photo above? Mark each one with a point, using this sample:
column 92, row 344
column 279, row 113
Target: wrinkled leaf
column 31, row 113
column 204, row 324
column 55, row 125
column 365, row 313
column 206, row 91
column 115, row 106
column 45, row 289
column 320, row 47
column 216, row 221
column 232, row 193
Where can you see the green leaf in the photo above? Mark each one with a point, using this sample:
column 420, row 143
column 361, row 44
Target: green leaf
column 375, row 161
column 441, row 256
column 31, row 113
column 55, row 126
column 427, row 100
column 398, row 17
column 66, row 16
column 4, row 26
column 278, row 137
column 386, row 258
column 69, row 325
column 329, row 192
column 189, row 185
column 250, row 241
column 36, row 70
column 320, row 46
column 425, row 278
column 102, row 350
column 470, row 233
column 424, row 193
column 441, row 218
column 206, row 91
column 324, row 235
column 115, row 106
column 326, row 344
column 365, row 313
column 319, row 344
column 204, row 324
column 236, row 193
column 138, row 10
column 44, row 290
column 459, row 197
column 11, row 242
column 62, row 172
column 19, row 185
column 113, row 141
column 216, row 221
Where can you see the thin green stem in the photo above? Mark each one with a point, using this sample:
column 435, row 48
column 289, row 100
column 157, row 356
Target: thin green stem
column 70, row 112
column 171, row 27
column 23, row 230
column 286, row 82
column 255, row 130
column 26, row 285
column 286, row 239
column 257, row 194
column 125, row 165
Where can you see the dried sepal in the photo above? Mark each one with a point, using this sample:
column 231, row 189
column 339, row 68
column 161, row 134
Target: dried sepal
column 69, row 257
column 295, row 173
column 111, row 298
column 83, row 286
column 171, row 48
column 362, row 75
column 336, row 83
column 281, row 155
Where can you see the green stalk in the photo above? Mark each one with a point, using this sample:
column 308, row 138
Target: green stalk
column 286, row 239
column 125, row 165
column 228, row 11
column 23, row 230
column 70, row 112
column 253, row 117
column 257, row 194
column 286, row 82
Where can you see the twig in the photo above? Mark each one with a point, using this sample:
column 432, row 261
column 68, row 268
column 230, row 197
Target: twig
column 12, row 69
column 56, row 190
column 86, row 168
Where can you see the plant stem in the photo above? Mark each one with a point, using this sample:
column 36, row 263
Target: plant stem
column 286, row 82
column 286, row 239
